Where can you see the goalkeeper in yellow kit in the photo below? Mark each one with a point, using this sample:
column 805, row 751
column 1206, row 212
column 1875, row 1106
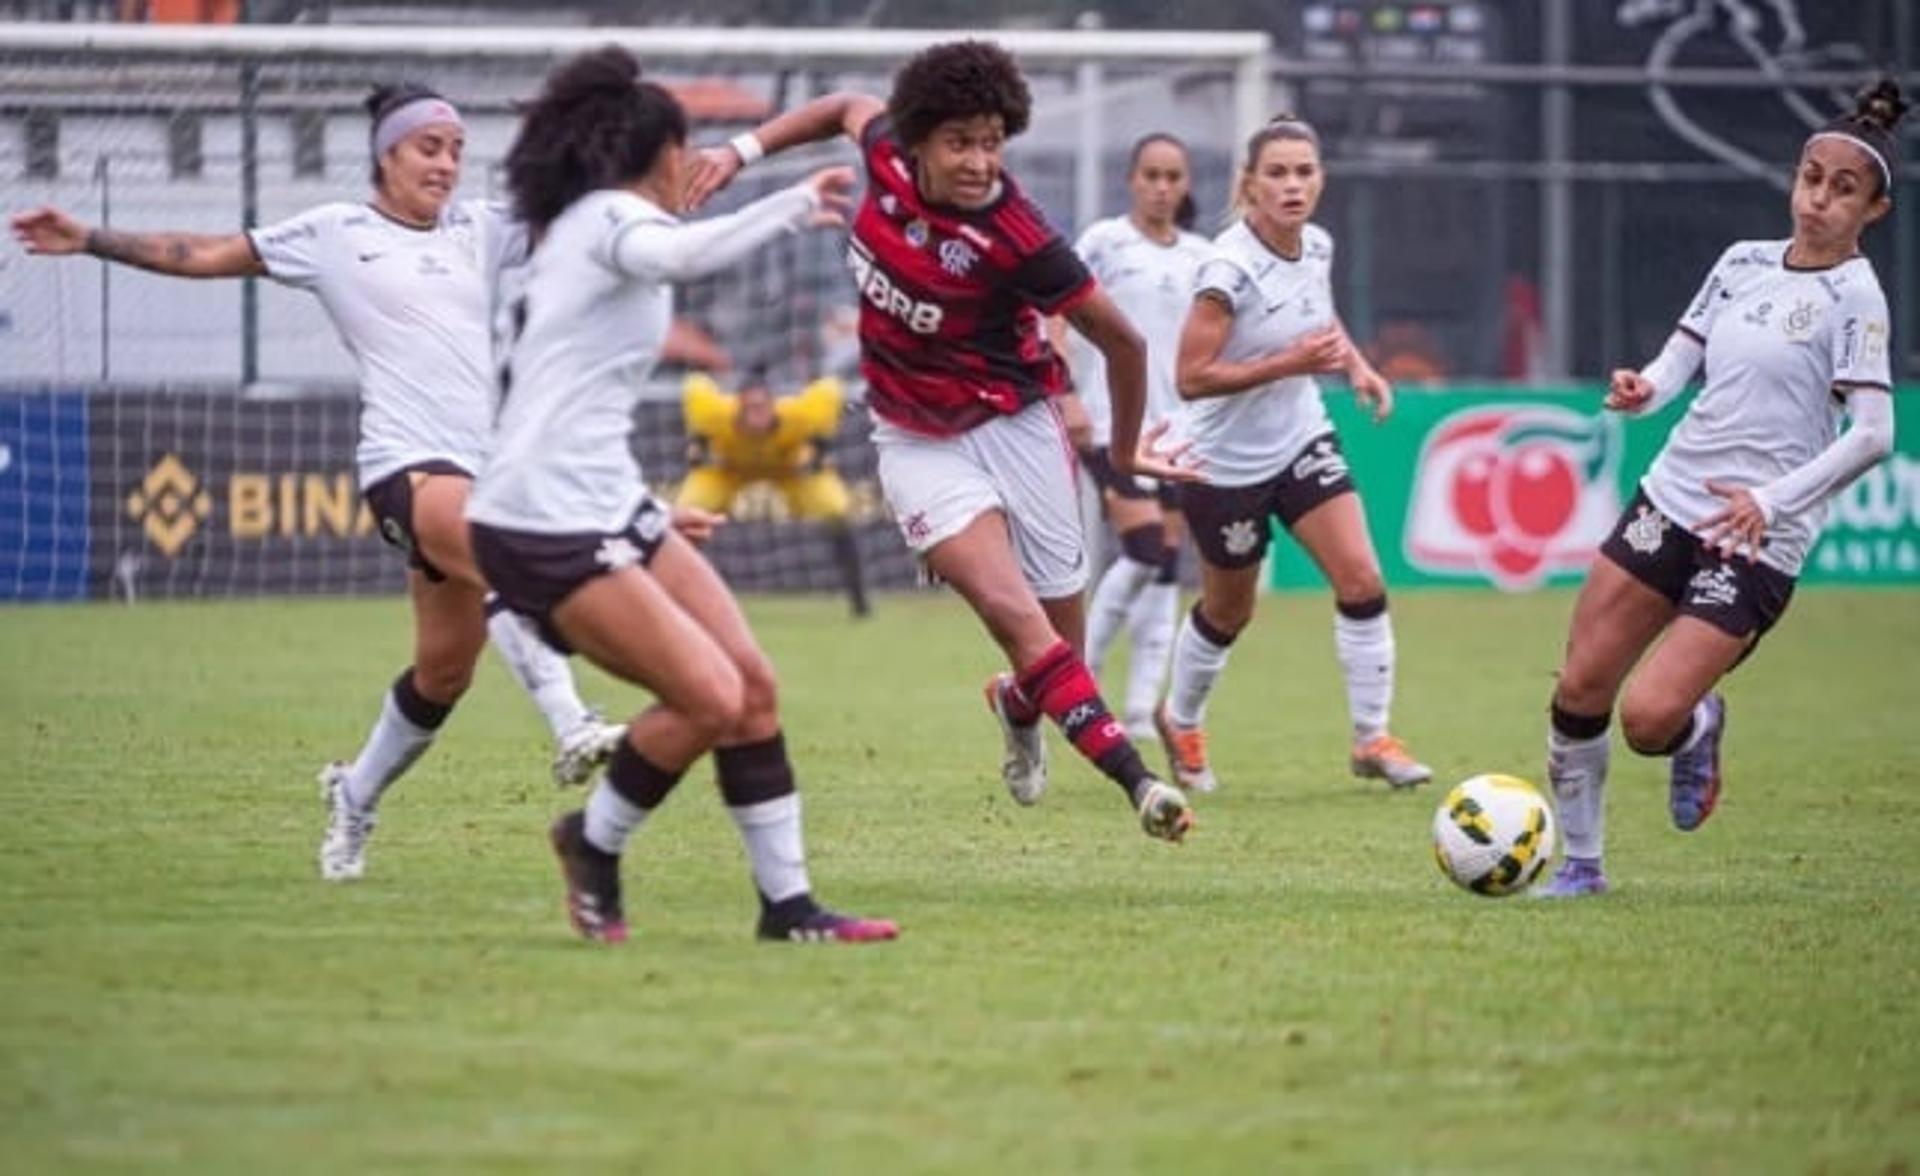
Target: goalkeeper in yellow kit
column 737, row 439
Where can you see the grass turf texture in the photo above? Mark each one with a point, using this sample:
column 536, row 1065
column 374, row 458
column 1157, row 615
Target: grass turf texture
column 1296, row 987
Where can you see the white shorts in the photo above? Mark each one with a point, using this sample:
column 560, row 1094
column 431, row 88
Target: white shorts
column 1020, row 465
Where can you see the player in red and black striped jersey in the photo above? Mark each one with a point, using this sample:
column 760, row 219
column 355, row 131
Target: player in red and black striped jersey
column 956, row 271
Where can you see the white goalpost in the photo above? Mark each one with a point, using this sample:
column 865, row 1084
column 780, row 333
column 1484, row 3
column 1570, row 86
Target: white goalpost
column 243, row 384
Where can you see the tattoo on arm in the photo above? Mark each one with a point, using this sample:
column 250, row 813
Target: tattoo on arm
column 162, row 253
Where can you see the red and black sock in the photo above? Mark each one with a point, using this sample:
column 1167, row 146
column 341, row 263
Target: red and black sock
column 1059, row 685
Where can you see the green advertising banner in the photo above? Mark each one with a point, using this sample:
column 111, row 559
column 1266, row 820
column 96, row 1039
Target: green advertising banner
column 1515, row 488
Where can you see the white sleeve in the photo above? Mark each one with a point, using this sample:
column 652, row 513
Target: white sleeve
column 1868, row 439
column 1090, row 246
column 1860, row 340
column 295, row 250
column 504, row 237
column 1670, row 370
column 1705, row 307
column 1223, row 277
column 673, row 251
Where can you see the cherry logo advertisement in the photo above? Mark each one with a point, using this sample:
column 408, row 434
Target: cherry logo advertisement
column 1513, row 493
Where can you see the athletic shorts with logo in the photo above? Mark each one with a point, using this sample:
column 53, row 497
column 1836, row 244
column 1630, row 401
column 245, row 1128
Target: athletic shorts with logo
column 1099, row 465
column 1741, row 598
column 1020, row 465
column 390, row 501
column 534, row 572
column 1229, row 523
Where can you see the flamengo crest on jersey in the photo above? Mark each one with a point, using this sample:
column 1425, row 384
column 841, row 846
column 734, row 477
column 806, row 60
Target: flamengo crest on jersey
column 952, row 300
column 1778, row 342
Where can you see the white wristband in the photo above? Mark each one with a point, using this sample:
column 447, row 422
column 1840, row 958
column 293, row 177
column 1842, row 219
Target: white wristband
column 747, row 147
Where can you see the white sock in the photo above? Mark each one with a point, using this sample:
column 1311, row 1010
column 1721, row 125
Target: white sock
column 1151, row 623
column 1577, row 769
column 1366, row 660
column 539, row 668
column 771, row 832
column 1702, row 726
column 611, row 818
column 1197, row 663
column 391, row 748
column 1112, row 600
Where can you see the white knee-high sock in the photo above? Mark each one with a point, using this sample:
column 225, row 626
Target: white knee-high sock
column 1577, row 770
column 1113, row 599
column 771, row 832
column 1151, row 623
column 391, row 748
column 611, row 818
column 1365, row 648
column 1197, row 664
column 540, row 669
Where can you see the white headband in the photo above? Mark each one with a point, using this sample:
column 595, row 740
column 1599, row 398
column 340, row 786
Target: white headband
column 409, row 117
column 1886, row 173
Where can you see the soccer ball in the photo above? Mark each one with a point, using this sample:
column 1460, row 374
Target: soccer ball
column 1493, row 835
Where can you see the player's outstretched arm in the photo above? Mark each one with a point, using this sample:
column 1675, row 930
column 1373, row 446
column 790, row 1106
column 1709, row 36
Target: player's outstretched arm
column 51, row 232
column 680, row 252
column 845, row 113
column 1653, row 387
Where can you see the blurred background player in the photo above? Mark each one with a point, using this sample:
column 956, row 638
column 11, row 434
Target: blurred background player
column 1261, row 326
column 562, row 520
column 956, row 270
column 1794, row 335
column 423, row 354
column 1145, row 261
column 736, row 440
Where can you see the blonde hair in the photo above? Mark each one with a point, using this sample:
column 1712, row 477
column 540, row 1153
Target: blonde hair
column 1283, row 126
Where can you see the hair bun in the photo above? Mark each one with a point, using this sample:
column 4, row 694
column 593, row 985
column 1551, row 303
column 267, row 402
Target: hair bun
column 1881, row 104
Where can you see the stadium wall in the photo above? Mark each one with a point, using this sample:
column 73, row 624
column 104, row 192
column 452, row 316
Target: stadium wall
column 190, row 492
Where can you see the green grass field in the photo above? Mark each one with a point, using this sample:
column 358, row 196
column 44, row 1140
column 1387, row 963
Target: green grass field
column 1296, row 988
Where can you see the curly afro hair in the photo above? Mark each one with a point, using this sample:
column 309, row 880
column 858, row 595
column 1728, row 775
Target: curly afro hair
column 594, row 125
column 958, row 79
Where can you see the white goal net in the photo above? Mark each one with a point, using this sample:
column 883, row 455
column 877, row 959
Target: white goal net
column 167, row 437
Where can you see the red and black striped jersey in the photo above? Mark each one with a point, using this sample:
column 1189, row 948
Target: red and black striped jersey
column 952, row 301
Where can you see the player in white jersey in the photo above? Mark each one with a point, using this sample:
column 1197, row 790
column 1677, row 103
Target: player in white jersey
column 1794, row 335
column 1146, row 261
column 407, row 278
column 1261, row 327
column 565, row 527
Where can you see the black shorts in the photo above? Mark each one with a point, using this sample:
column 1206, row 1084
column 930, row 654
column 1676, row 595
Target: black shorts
column 391, row 501
column 1229, row 523
column 1737, row 597
column 533, row 572
column 1099, row 463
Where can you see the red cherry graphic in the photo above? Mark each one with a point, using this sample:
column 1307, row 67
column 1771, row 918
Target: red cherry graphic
column 1535, row 491
column 1472, row 492
column 1519, row 563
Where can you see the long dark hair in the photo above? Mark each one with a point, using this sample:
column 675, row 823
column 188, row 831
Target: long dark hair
column 1188, row 212
column 957, row 79
column 386, row 98
column 595, row 124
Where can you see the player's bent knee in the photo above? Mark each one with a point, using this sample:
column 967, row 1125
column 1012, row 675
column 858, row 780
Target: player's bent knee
column 1359, row 589
column 443, row 684
column 759, row 688
column 713, row 701
column 1649, row 723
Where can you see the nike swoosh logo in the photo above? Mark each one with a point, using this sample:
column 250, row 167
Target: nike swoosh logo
column 371, row 256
